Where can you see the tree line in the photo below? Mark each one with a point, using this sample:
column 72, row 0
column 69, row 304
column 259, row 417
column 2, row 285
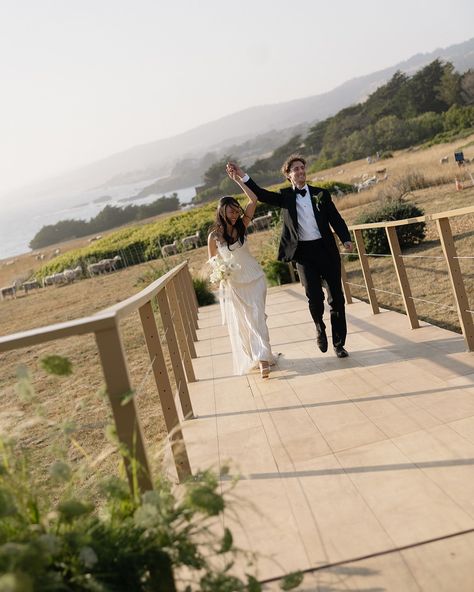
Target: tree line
column 434, row 105
column 109, row 217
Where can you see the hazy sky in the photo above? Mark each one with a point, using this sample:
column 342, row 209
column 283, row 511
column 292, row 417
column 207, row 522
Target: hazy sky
column 82, row 80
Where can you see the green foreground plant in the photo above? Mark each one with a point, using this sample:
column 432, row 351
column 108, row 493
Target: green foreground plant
column 53, row 538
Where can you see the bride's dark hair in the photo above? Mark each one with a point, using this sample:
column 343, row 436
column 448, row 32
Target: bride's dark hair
column 220, row 225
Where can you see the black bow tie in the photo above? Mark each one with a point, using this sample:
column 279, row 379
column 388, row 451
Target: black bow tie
column 302, row 192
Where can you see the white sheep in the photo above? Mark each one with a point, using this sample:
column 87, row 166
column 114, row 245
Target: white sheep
column 31, row 285
column 8, row 291
column 104, row 265
column 72, row 274
column 54, row 278
column 170, row 249
column 262, row 222
column 192, row 241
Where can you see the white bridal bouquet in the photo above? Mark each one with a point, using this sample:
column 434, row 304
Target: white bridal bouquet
column 222, row 269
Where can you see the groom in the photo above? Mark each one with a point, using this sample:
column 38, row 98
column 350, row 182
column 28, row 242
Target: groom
column 307, row 238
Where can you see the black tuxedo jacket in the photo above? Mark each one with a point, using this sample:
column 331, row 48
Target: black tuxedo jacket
column 325, row 212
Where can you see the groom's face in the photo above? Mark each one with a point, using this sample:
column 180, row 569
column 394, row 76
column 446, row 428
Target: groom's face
column 297, row 174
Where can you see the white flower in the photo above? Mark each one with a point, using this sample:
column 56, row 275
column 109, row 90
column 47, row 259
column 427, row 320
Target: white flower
column 222, row 269
column 88, row 557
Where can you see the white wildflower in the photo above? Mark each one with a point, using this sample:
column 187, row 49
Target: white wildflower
column 222, row 269
column 88, row 557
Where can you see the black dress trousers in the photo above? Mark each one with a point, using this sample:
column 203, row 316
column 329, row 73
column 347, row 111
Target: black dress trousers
column 316, row 267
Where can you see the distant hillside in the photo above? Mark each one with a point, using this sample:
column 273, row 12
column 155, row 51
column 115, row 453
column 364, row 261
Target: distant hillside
column 157, row 159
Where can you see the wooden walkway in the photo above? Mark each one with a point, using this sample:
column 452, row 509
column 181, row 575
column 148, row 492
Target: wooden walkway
column 372, row 455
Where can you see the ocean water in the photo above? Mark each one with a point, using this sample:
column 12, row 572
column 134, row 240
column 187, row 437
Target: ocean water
column 19, row 223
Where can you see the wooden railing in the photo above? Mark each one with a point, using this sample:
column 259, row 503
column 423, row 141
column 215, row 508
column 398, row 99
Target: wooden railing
column 177, row 304
column 452, row 261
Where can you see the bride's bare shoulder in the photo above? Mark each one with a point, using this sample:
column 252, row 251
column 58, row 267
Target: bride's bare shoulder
column 215, row 235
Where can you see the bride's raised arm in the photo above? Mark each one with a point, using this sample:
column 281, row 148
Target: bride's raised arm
column 249, row 209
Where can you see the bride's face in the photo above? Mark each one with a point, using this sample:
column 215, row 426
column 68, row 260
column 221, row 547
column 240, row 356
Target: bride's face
column 232, row 214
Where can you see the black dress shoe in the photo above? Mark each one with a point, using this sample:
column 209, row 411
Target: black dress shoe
column 341, row 352
column 322, row 342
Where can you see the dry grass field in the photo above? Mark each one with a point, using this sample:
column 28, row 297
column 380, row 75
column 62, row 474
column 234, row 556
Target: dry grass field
column 76, row 400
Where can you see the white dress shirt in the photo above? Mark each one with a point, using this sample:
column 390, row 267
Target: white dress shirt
column 307, row 226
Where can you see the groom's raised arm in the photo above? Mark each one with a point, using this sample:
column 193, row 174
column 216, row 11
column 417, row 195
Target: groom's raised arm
column 270, row 197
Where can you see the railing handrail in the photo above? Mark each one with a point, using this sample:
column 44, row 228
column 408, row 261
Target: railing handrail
column 425, row 218
column 103, row 319
column 82, row 326
column 177, row 306
column 124, row 308
column 441, row 220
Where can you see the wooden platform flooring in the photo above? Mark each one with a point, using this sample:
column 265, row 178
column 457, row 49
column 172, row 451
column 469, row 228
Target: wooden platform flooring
column 370, row 456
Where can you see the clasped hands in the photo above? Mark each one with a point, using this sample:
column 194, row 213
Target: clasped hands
column 234, row 171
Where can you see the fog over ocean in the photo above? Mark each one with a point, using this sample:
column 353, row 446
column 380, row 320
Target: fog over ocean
column 20, row 222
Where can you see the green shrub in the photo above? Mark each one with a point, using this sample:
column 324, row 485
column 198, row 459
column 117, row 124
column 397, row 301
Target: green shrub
column 203, row 292
column 277, row 272
column 409, row 235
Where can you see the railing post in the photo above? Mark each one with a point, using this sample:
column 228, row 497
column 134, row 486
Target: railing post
column 180, row 333
column 364, row 263
column 175, row 356
column 455, row 275
column 186, row 316
column 192, row 293
column 189, row 306
column 402, row 276
column 345, row 285
column 170, row 413
column 129, row 432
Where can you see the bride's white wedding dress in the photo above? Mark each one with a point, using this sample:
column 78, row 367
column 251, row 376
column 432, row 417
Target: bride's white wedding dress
column 242, row 298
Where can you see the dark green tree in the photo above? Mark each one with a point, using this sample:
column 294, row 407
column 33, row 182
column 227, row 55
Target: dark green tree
column 426, row 88
column 449, row 89
column 215, row 174
column 467, row 87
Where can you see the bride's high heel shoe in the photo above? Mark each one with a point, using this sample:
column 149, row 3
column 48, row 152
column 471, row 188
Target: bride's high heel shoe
column 264, row 369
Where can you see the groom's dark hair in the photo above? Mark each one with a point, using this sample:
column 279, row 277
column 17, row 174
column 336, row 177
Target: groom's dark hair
column 285, row 169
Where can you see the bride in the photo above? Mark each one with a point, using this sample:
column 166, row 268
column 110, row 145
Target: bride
column 244, row 289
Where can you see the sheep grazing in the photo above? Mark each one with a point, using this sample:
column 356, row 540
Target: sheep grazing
column 72, row 274
column 171, row 249
column 262, row 222
column 192, row 241
column 104, row 265
column 8, row 291
column 444, row 160
column 366, row 184
column 31, row 285
column 54, row 278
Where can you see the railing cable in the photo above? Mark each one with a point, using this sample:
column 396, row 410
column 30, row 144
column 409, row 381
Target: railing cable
column 386, row 292
column 434, row 303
